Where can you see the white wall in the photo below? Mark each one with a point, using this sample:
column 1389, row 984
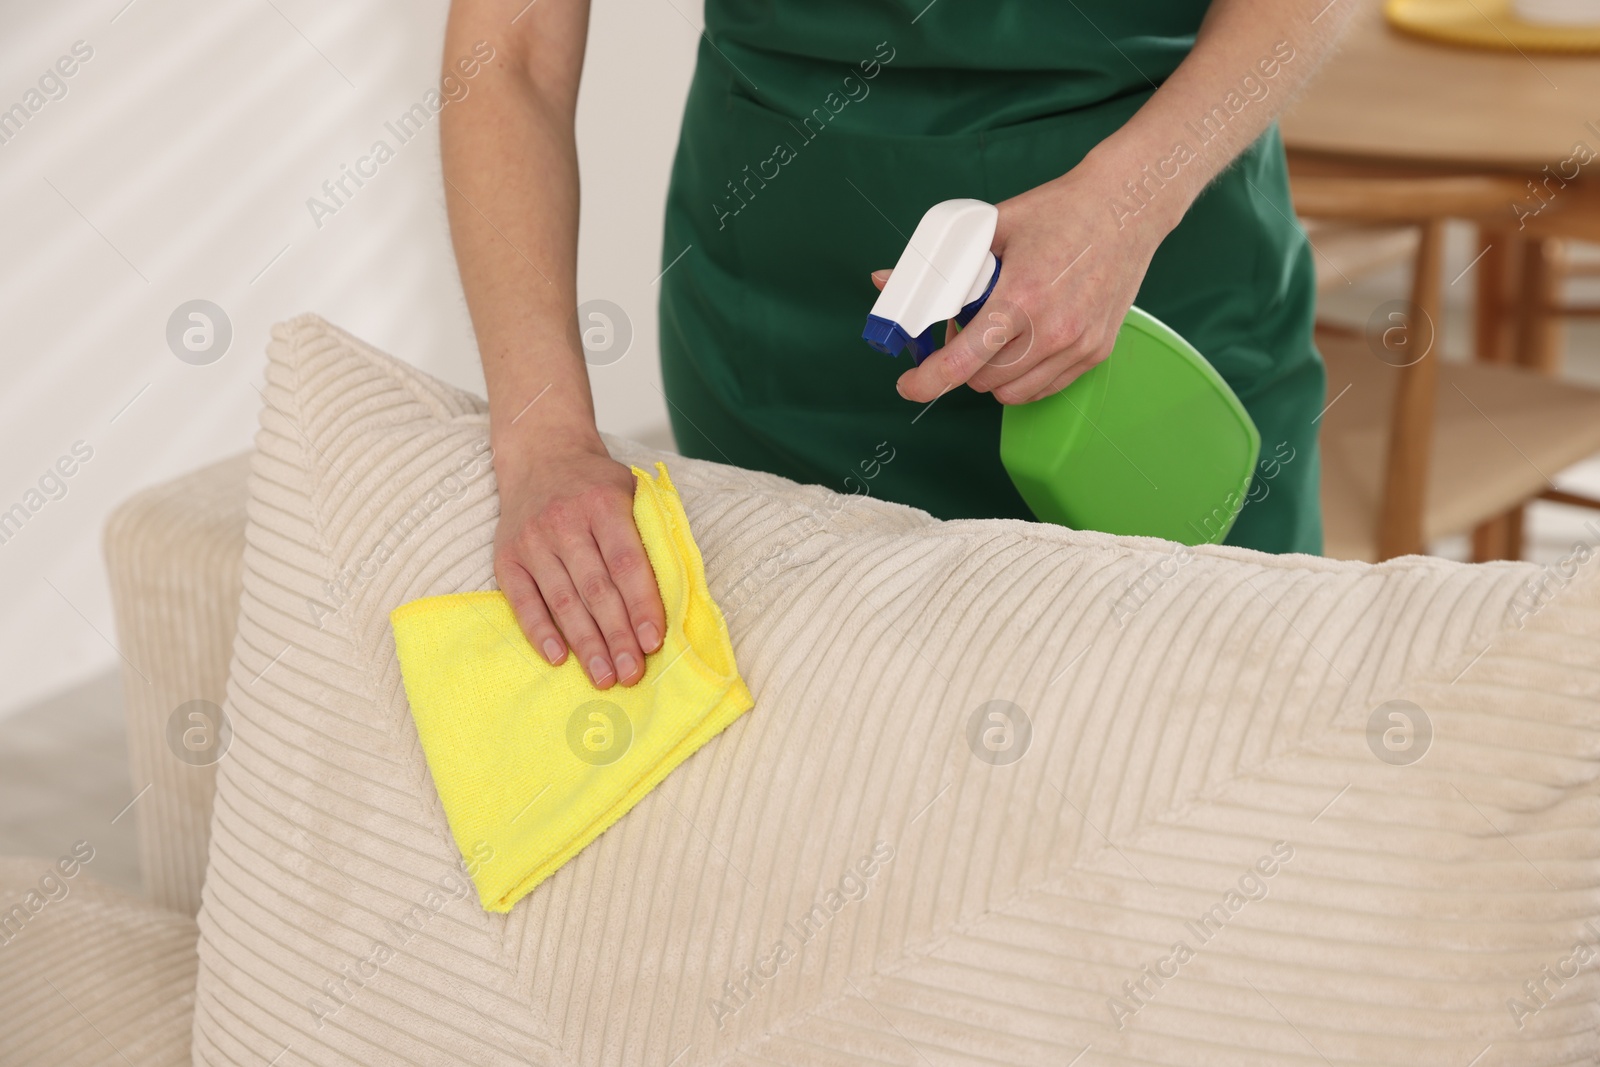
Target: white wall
column 177, row 166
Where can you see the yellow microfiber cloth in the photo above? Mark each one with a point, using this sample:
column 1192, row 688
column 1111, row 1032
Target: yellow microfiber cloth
column 532, row 762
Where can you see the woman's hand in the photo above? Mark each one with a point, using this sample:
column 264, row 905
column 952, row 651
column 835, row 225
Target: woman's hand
column 1070, row 270
column 569, row 559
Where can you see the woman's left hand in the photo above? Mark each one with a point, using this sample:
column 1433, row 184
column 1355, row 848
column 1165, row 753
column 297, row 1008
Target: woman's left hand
column 1071, row 268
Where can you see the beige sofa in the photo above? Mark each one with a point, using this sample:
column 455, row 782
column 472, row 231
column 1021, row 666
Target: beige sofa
column 1009, row 794
column 101, row 977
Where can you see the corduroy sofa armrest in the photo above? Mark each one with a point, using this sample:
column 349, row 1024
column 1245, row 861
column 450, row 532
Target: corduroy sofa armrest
column 174, row 554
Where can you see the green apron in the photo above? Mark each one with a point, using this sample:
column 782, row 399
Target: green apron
column 816, row 134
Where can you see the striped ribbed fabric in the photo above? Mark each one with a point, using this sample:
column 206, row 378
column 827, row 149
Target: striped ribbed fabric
column 174, row 554
column 90, row 976
column 1010, row 794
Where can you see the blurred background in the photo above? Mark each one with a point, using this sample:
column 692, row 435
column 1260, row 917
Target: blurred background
column 176, row 161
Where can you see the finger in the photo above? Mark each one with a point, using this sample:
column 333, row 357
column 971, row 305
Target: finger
column 1062, row 344
column 1014, row 359
column 1065, row 378
column 1049, row 376
column 606, row 606
column 1030, row 385
column 567, row 607
column 630, row 571
column 523, row 594
column 951, row 365
column 1054, row 386
column 1084, row 354
column 1020, row 346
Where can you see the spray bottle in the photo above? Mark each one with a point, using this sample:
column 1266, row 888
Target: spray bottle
column 1150, row 442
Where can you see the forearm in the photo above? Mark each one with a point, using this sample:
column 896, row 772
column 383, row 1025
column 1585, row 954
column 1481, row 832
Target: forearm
column 511, row 189
column 1249, row 60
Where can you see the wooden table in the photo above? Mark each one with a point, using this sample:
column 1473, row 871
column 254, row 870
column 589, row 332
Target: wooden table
column 1388, row 104
column 1388, row 97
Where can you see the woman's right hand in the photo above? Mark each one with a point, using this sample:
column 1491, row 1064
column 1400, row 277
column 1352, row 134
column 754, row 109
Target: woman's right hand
column 568, row 557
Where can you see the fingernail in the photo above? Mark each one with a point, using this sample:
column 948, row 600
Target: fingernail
column 625, row 665
column 553, row 650
column 648, row 637
column 599, row 669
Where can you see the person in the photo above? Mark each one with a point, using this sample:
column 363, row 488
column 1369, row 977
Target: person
column 1133, row 154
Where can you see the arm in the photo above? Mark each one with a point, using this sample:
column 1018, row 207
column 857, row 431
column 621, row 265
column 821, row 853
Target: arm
column 567, row 554
column 1048, row 333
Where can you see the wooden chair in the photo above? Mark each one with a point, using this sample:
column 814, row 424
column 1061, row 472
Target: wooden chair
column 1414, row 448
column 1523, row 269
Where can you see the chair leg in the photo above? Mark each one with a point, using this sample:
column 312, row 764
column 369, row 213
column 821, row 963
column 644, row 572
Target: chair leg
column 1538, row 328
column 1500, row 288
column 1495, row 270
column 1499, row 537
column 1488, row 540
column 1405, row 482
column 1515, row 520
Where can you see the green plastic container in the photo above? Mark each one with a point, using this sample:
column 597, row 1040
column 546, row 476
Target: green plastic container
column 1151, row 442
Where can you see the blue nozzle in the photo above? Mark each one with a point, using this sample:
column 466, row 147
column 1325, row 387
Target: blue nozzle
column 891, row 339
column 887, row 337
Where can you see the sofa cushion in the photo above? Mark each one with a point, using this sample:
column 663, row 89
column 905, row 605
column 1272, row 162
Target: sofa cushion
column 89, row 975
column 1009, row 793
